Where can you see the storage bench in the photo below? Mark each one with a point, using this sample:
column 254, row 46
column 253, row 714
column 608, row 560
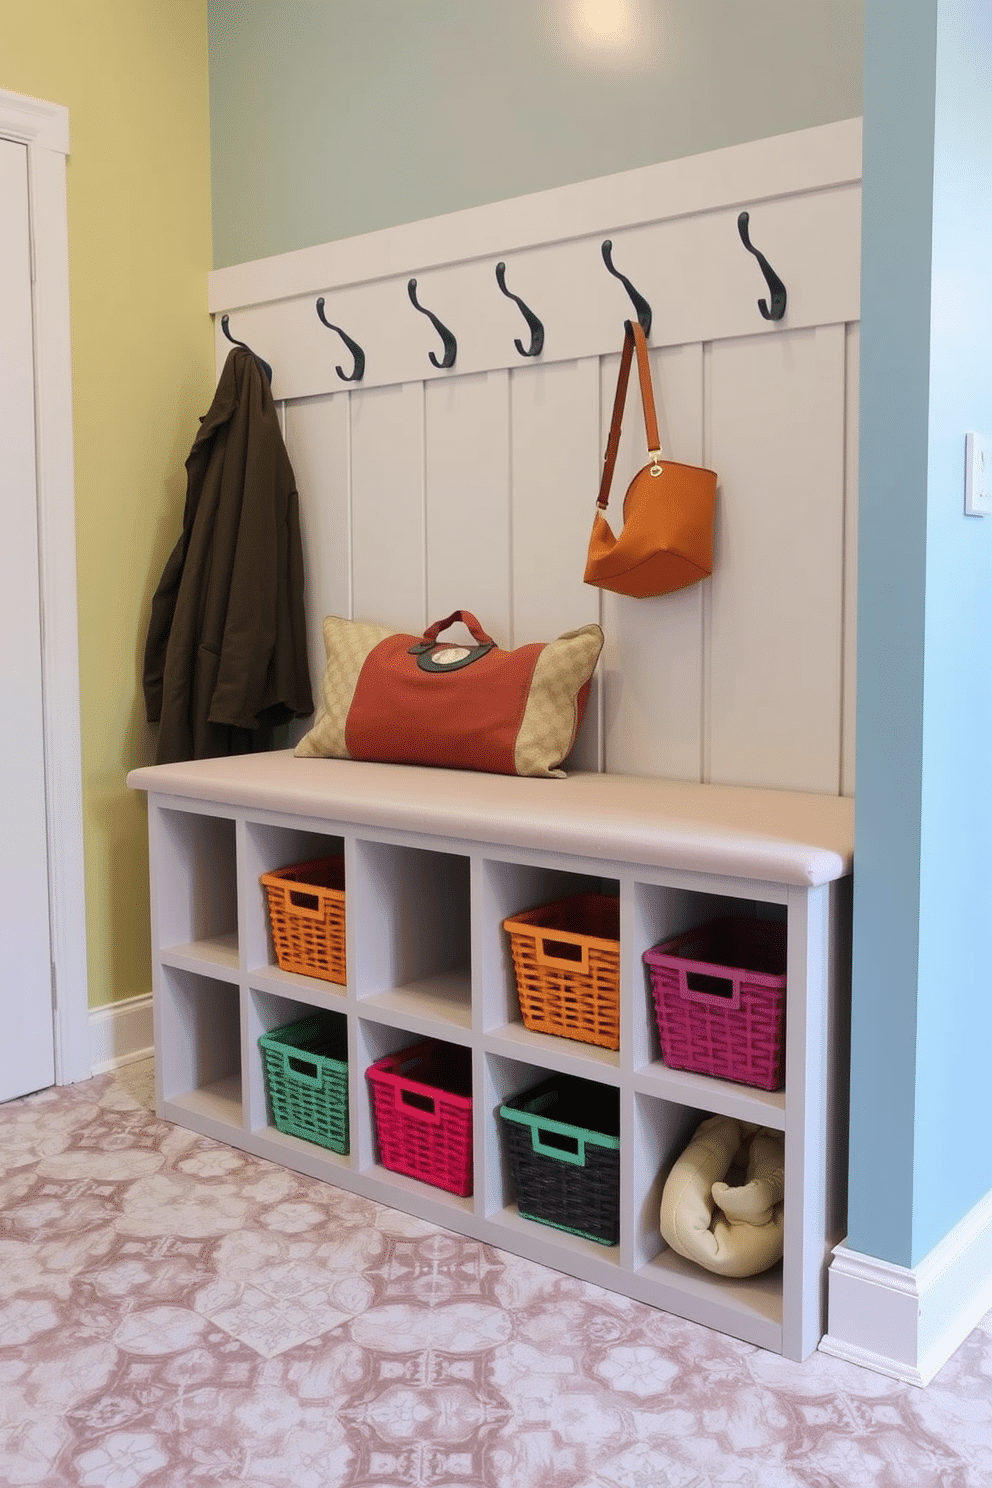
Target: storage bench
column 435, row 861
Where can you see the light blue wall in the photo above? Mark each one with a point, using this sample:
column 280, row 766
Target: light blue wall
column 895, row 349
column 922, row 1032
column 953, row 1159
column 335, row 117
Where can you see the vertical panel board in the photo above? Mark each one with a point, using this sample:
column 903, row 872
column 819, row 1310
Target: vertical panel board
column 316, row 432
column 849, row 702
column 777, row 442
column 653, row 650
column 387, row 506
column 468, row 506
column 554, row 472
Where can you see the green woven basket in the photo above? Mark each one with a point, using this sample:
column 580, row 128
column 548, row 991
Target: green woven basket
column 306, row 1074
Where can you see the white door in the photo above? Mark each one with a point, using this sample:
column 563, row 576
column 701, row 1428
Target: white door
column 27, row 1044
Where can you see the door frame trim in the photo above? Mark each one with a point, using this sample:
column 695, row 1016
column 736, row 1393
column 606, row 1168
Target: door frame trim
column 44, row 129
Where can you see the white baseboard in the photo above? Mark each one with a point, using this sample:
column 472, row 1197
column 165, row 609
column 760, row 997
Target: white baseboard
column 121, row 1033
column 906, row 1322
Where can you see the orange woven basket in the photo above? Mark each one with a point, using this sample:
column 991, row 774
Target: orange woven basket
column 566, row 957
column 306, row 912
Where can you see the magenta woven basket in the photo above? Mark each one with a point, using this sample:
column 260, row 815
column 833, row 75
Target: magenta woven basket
column 719, row 998
column 424, row 1124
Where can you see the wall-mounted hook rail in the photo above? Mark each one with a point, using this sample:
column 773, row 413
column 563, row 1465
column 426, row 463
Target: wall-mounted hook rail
column 448, row 340
column 776, row 310
column 358, row 371
column 225, row 324
column 536, row 328
column 638, row 301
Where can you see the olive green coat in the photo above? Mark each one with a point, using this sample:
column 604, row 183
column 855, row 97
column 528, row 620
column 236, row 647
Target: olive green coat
column 226, row 652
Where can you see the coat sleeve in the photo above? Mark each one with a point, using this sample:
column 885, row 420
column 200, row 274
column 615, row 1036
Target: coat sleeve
column 254, row 680
column 290, row 679
column 159, row 629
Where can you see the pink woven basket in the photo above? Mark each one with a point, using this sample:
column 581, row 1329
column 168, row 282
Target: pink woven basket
column 424, row 1124
column 719, row 999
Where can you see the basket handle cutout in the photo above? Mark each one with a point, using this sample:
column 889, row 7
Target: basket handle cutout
column 307, row 904
column 698, row 981
column 302, row 1069
column 424, row 1107
column 571, row 954
column 558, row 1145
column 701, row 987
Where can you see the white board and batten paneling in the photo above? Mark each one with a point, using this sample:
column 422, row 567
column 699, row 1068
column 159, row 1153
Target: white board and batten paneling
column 425, row 490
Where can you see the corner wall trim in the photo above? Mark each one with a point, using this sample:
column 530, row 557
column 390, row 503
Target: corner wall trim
column 43, row 128
column 906, row 1322
column 121, row 1033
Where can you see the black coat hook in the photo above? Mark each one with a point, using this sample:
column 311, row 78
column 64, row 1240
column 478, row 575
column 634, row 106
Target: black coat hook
column 775, row 285
column 358, row 372
column 450, row 344
column 638, row 301
column 536, row 328
column 225, row 322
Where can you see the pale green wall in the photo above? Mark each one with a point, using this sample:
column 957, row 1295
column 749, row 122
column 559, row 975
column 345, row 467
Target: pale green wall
column 336, row 117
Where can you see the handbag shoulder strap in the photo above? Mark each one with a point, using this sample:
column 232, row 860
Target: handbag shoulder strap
column 633, row 340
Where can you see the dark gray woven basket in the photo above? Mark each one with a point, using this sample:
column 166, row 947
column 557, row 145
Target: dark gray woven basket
column 562, row 1141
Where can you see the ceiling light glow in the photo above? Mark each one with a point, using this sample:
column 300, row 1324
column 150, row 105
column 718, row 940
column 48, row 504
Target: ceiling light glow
column 607, row 24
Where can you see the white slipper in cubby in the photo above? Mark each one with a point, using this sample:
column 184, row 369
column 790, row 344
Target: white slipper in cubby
column 736, row 1228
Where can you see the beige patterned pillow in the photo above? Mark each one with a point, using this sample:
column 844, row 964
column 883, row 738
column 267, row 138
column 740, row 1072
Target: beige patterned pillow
column 347, row 642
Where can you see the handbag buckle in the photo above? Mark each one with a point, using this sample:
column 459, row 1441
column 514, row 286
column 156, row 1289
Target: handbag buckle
column 655, row 456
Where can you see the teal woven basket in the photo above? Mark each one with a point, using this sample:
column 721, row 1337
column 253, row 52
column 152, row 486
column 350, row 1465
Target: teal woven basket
column 306, row 1075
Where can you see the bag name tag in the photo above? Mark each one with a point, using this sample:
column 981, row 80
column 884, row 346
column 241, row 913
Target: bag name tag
column 447, row 658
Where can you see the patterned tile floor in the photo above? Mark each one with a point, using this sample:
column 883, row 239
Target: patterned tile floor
column 174, row 1313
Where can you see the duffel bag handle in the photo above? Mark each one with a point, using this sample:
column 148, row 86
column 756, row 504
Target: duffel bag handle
column 467, row 619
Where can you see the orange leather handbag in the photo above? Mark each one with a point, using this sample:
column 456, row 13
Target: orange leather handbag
column 667, row 537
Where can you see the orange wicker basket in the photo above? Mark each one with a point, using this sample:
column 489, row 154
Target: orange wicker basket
column 307, row 915
column 566, row 957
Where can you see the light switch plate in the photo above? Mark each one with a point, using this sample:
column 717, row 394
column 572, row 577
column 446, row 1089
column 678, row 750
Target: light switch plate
column 977, row 475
